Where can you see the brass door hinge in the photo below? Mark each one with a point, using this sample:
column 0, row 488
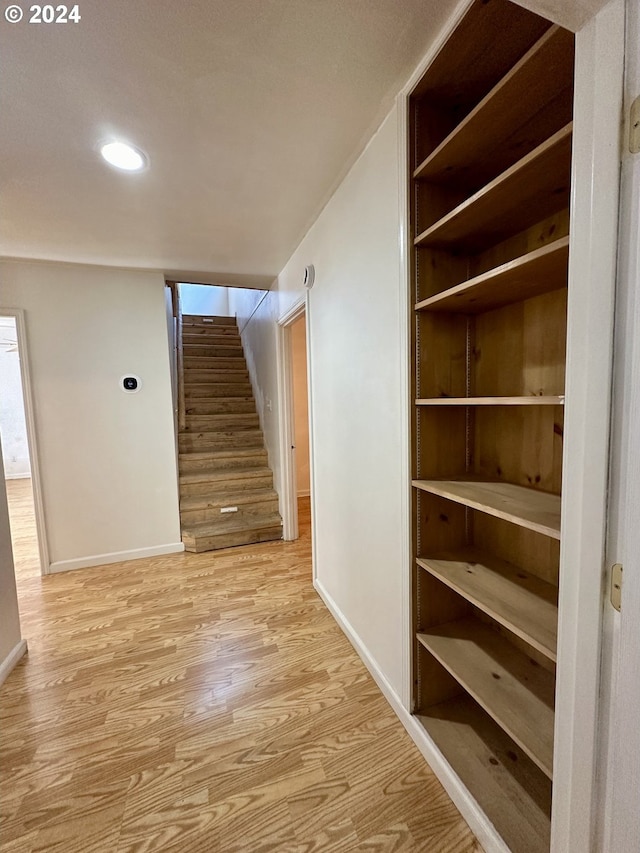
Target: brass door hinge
column 616, row 585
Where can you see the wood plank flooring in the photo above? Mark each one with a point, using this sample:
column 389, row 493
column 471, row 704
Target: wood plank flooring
column 199, row 703
column 23, row 529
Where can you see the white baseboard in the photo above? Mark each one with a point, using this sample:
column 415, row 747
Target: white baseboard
column 479, row 823
column 12, row 659
column 115, row 557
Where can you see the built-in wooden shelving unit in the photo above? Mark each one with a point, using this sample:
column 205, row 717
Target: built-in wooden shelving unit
column 490, row 170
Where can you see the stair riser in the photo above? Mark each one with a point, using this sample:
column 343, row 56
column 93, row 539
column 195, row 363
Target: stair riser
column 214, row 445
column 200, row 390
column 221, row 423
column 215, row 352
column 212, row 365
column 188, row 466
column 217, row 487
column 211, row 328
column 214, row 329
column 214, row 377
column 222, row 407
column 245, row 511
column 209, row 339
column 215, row 320
column 203, row 441
column 231, row 540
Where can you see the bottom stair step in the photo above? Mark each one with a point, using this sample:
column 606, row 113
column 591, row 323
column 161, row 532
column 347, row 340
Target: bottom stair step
column 247, row 505
column 230, row 532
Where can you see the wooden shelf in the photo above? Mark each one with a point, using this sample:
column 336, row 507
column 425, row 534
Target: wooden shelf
column 507, row 786
column 530, row 508
column 531, row 400
column 533, row 188
column 537, row 272
column 525, row 107
column 520, row 601
column 514, row 690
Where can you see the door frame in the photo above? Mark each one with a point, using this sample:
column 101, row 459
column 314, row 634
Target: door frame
column 32, row 442
column 288, row 491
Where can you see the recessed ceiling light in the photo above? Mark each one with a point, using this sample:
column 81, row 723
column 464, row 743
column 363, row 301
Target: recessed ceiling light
column 123, row 156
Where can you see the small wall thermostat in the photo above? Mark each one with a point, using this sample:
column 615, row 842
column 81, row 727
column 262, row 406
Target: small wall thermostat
column 130, row 383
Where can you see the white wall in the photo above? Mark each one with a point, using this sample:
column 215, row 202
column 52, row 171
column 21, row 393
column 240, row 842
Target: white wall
column 107, row 458
column 300, row 404
column 204, row 300
column 357, row 377
column 15, row 449
column 9, row 616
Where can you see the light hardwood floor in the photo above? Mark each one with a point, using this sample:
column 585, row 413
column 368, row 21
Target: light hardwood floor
column 23, row 529
column 202, row 703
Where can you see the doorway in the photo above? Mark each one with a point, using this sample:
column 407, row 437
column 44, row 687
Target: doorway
column 17, row 439
column 295, row 432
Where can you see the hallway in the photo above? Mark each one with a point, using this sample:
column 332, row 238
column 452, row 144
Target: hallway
column 202, row 702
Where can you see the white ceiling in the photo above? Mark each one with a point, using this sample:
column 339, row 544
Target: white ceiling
column 250, row 111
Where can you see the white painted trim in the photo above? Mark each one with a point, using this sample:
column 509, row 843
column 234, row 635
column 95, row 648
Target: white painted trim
column 32, row 441
column 116, row 557
column 480, row 825
column 12, row 659
column 592, row 270
column 288, row 502
column 312, row 455
column 405, row 318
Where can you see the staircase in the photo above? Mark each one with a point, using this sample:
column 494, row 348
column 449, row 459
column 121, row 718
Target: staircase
column 226, row 486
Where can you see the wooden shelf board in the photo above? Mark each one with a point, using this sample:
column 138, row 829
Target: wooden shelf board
column 521, row 602
column 530, row 508
column 506, row 112
column 507, row 786
column 537, row 272
column 531, row 400
column 534, row 187
column 514, row 690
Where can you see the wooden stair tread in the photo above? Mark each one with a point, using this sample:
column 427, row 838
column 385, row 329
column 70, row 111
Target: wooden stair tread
column 514, row 690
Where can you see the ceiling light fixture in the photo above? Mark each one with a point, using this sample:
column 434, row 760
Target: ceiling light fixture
column 123, row 156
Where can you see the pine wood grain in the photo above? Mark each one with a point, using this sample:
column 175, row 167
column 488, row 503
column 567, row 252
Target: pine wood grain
column 205, row 703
